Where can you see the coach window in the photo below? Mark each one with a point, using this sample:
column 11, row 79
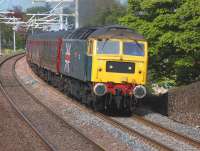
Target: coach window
column 90, row 47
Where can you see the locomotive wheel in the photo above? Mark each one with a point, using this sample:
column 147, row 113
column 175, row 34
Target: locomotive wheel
column 89, row 100
column 68, row 88
column 97, row 103
column 110, row 105
column 131, row 105
column 61, row 85
column 108, row 102
column 49, row 77
column 84, row 99
column 119, row 103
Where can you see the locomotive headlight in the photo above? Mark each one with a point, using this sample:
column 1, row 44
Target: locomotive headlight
column 100, row 89
column 111, row 67
column 139, row 92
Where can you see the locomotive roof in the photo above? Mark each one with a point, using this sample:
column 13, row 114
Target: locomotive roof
column 104, row 32
column 116, row 32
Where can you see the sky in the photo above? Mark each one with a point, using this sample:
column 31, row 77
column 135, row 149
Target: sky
column 8, row 4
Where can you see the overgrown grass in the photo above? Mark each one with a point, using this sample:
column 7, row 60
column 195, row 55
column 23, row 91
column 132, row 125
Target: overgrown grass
column 7, row 52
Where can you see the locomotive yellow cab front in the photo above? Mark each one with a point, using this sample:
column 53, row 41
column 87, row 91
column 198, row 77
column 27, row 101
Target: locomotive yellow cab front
column 119, row 61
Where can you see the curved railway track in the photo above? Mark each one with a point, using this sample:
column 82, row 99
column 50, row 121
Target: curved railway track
column 24, row 116
column 147, row 140
column 167, row 131
column 130, row 131
column 10, row 100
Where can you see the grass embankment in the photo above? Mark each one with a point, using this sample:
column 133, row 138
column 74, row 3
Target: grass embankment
column 8, row 52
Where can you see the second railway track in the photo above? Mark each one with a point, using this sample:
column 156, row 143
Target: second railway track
column 159, row 145
column 151, row 141
column 167, row 131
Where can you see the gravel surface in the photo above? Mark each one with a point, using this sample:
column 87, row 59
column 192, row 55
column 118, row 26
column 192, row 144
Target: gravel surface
column 15, row 133
column 103, row 133
column 165, row 139
column 61, row 136
column 189, row 131
column 184, row 104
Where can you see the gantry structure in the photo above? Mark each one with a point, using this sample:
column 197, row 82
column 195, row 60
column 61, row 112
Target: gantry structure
column 42, row 21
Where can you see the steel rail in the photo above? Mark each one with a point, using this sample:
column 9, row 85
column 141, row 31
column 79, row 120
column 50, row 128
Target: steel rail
column 124, row 128
column 51, row 111
column 133, row 132
column 10, row 100
column 168, row 131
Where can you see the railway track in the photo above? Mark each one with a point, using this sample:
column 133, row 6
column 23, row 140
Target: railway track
column 18, row 121
column 167, row 131
column 145, row 138
column 132, row 132
column 10, row 100
column 151, row 142
column 4, row 92
column 12, row 85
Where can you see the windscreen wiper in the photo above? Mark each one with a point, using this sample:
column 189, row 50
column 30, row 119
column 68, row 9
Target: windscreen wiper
column 104, row 44
column 137, row 43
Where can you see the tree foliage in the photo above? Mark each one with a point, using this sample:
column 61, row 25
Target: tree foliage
column 7, row 32
column 172, row 28
column 109, row 13
column 39, row 9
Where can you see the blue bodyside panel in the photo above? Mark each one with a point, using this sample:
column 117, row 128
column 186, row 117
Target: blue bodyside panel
column 74, row 59
column 89, row 68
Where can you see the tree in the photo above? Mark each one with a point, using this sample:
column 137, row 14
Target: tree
column 108, row 12
column 172, row 30
column 39, row 9
column 18, row 13
column 7, row 32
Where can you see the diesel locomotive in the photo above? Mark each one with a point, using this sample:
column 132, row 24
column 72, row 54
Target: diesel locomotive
column 102, row 67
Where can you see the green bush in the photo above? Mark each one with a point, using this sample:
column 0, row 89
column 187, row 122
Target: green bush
column 172, row 29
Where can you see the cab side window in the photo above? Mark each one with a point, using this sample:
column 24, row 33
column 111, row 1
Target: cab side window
column 90, row 47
